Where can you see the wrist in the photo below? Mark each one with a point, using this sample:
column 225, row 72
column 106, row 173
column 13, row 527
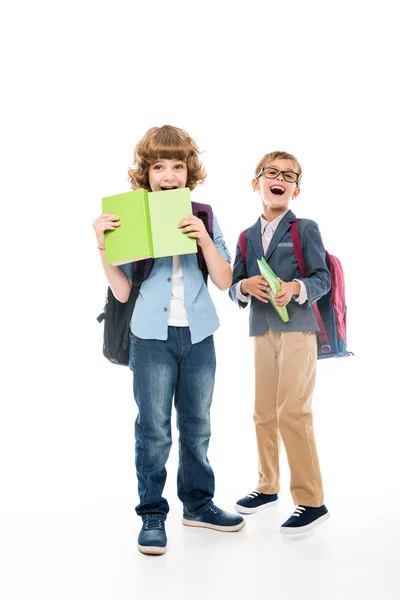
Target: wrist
column 296, row 288
column 243, row 287
column 206, row 243
column 100, row 242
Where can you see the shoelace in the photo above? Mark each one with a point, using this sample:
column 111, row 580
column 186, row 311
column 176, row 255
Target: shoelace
column 298, row 511
column 153, row 523
column 253, row 494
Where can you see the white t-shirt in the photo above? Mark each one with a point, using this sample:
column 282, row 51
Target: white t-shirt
column 177, row 311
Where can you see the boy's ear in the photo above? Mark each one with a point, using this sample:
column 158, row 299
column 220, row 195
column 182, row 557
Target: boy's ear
column 256, row 185
column 296, row 193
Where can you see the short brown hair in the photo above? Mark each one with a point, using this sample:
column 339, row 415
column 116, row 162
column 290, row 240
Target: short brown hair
column 165, row 142
column 277, row 154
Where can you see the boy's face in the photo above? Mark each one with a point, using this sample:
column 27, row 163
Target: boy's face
column 167, row 174
column 277, row 193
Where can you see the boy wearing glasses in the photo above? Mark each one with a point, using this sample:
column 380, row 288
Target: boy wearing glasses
column 285, row 353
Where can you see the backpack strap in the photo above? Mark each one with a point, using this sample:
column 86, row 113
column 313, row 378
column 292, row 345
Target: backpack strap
column 323, row 336
column 137, row 279
column 142, row 268
column 297, row 247
column 243, row 246
column 140, row 271
column 203, row 212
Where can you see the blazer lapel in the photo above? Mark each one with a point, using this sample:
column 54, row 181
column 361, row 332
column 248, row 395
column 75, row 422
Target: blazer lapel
column 255, row 238
column 282, row 228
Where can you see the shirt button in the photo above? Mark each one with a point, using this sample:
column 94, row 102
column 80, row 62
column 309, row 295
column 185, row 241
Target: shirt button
column 169, row 279
column 165, row 309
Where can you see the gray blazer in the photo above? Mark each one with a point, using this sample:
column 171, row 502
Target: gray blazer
column 282, row 260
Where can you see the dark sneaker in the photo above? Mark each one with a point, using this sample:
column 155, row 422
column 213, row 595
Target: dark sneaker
column 152, row 538
column 305, row 518
column 256, row 501
column 215, row 518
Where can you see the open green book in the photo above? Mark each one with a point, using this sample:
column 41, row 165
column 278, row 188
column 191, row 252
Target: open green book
column 148, row 225
column 269, row 276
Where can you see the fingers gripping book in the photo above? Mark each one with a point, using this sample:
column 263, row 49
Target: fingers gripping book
column 269, row 276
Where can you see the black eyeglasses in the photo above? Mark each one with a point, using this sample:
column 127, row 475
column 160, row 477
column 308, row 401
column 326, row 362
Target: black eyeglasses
column 270, row 173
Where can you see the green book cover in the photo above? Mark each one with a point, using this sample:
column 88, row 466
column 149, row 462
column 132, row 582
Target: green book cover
column 132, row 239
column 269, row 276
column 166, row 209
column 148, row 225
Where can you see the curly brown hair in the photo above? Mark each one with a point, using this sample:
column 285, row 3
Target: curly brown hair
column 165, row 142
column 271, row 156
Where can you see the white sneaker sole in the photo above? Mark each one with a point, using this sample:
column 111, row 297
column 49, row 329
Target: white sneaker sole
column 305, row 528
column 152, row 549
column 248, row 511
column 190, row 523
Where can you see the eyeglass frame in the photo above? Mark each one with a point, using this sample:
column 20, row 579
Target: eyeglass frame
column 278, row 173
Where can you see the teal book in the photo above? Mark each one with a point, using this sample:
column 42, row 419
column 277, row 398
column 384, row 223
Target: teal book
column 148, row 225
column 269, row 276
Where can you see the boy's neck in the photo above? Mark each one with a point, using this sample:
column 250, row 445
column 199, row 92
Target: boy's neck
column 270, row 214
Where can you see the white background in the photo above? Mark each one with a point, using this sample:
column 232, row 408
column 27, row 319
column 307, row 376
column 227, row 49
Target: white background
column 82, row 82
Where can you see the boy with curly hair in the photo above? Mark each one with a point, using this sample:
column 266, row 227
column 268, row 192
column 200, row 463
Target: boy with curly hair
column 172, row 352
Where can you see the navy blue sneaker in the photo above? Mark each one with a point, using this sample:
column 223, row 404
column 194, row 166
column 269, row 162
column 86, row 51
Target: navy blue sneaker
column 215, row 518
column 152, row 537
column 305, row 518
column 255, row 501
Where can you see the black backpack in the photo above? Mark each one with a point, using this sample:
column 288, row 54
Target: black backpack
column 117, row 315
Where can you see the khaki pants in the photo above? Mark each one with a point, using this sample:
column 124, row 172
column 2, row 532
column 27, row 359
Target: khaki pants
column 285, row 369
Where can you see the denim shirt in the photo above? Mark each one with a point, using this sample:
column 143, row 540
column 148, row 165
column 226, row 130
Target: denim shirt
column 150, row 316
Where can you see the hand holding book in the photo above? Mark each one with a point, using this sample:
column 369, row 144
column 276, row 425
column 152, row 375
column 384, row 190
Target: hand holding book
column 256, row 286
column 194, row 227
column 275, row 287
column 102, row 224
column 288, row 290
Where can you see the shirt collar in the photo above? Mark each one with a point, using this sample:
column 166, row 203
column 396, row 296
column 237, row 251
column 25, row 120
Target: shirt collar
column 272, row 224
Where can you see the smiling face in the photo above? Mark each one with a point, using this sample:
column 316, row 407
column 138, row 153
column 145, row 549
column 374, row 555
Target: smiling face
column 167, row 174
column 276, row 193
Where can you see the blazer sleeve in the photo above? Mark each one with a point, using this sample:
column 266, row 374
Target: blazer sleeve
column 239, row 273
column 318, row 280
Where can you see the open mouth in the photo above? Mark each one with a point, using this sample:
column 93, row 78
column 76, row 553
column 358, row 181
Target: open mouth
column 174, row 187
column 278, row 190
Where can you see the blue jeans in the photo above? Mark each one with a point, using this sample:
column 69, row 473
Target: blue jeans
column 163, row 370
